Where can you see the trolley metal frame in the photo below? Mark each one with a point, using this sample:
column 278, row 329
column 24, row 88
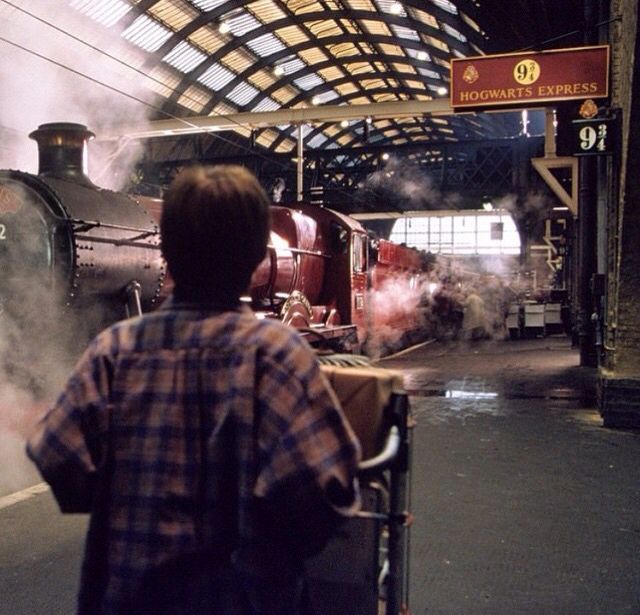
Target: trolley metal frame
column 364, row 570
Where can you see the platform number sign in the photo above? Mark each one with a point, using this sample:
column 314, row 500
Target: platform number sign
column 595, row 137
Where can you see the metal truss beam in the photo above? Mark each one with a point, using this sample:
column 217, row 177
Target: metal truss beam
column 263, row 119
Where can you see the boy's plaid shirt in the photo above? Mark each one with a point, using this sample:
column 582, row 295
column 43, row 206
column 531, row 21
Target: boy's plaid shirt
column 149, row 400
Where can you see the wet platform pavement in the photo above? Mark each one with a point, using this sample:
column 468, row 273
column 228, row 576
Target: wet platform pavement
column 524, row 503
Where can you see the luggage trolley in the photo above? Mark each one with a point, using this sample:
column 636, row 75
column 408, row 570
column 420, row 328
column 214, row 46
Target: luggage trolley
column 364, row 569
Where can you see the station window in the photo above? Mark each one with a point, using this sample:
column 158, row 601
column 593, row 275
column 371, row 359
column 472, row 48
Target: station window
column 469, row 233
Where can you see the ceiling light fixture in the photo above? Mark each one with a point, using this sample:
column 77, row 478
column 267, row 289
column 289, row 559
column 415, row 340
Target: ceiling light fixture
column 422, row 56
column 344, row 123
column 442, row 90
column 315, row 100
column 278, row 71
column 369, row 119
column 395, row 8
column 385, row 156
column 224, row 27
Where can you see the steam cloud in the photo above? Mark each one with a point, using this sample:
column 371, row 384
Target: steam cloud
column 402, row 186
column 42, row 91
column 39, row 341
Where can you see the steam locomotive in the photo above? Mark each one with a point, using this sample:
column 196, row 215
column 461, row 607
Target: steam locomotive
column 95, row 253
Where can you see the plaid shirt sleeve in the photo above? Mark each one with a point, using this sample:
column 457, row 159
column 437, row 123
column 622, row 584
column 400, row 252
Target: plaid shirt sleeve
column 308, row 452
column 66, row 443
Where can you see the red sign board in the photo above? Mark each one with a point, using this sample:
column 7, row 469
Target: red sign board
column 530, row 78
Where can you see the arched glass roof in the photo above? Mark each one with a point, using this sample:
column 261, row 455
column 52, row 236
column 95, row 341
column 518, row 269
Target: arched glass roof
column 211, row 57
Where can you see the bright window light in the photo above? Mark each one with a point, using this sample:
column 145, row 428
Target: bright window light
column 105, row 12
column 184, row 57
column 469, row 234
column 147, row 33
column 208, row 5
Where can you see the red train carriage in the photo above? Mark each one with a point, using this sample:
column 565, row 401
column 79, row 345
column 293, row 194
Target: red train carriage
column 315, row 272
column 322, row 272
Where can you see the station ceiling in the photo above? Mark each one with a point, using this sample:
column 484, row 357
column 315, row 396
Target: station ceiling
column 228, row 57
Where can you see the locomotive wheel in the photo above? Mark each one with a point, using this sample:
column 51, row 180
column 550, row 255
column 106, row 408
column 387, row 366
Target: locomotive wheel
column 296, row 311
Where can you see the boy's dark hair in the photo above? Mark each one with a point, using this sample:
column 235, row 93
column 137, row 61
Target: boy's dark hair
column 214, row 228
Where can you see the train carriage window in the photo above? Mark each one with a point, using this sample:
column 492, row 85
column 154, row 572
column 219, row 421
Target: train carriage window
column 358, row 253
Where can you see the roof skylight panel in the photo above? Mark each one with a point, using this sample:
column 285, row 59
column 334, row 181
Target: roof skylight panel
column 242, row 23
column 375, row 27
column 446, row 5
column 421, row 55
column 292, row 34
column 266, row 104
column 292, row 66
column 327, row 96
column 265, row 45
column 332, row 73
column 392, row 7
column 216, row 77
column 434, row 88
column 453, row 32
column 105, row 12
column 424, row 17
column 406, row 33
column 164, row 80
column 242, row 94
column 184, row 57
column 207, row 5
column 316, row 141
column 360, row 5
column 470, row 22
column 267, row 137
column 429, row 73
column 194, row 98
column 146, row 33
column 266, row 11
column 299, row 7
column 286, row 146
column 308, row 82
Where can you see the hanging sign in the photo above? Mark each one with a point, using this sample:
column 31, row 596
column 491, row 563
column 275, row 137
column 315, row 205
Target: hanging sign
column 528, row 79
column 594, row 137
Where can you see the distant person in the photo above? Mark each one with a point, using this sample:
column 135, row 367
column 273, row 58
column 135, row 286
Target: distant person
column 474, row 320
column 206, row 444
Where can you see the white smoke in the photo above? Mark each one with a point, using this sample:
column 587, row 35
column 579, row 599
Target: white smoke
column 48, row 76
column 400, row 312
column 401, row 185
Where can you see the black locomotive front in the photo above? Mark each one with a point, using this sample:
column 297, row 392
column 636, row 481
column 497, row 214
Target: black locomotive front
column 74, row 258
column 66, row 243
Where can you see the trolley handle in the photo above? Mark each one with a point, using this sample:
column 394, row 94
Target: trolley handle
column 386, row 456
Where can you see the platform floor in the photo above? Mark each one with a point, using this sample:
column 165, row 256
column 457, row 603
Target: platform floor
column 523, row 502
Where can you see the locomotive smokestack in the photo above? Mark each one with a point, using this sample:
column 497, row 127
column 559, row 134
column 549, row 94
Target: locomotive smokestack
column 62, row 150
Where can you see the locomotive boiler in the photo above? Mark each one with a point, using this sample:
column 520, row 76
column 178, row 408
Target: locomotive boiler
column 65, row 238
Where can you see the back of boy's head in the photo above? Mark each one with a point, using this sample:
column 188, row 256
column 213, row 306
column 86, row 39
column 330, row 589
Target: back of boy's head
column 214, row 228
